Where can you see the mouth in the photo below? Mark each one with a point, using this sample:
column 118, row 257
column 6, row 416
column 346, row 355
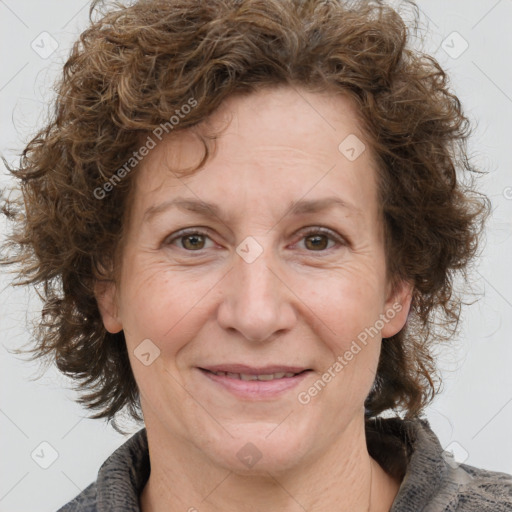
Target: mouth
column 255, row 383
column 257, row 376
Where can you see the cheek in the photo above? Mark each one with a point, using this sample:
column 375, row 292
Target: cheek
column 161, row 303
column 350, row 309
column 353, row 344
column 347, row 303
column 165, row 307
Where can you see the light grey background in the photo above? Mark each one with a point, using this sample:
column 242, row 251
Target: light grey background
column 474, row 414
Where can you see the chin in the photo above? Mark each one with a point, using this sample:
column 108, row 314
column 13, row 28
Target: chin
column 257, row 450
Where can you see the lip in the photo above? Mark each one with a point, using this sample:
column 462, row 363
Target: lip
column 253, row 370
column 255, row 389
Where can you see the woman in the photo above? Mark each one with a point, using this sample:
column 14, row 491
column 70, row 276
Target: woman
column 246, row 216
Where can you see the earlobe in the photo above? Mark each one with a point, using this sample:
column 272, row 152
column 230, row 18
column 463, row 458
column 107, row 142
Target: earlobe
column 397, row 309
column 105, row 293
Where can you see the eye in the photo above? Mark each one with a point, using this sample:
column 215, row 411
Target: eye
column 190, row 240
column 317, row 239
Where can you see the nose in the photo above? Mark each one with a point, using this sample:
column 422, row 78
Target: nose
column 257, row 301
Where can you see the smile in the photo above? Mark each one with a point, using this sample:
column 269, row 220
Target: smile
column 261, row 386
column 245, row 376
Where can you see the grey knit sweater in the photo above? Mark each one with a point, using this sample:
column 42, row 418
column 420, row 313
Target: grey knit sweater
column 407, row 449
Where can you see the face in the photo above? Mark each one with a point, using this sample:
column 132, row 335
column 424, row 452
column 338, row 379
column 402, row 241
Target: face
column 280, row 279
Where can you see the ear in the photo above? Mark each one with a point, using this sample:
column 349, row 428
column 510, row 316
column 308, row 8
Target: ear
column 105, row 292
column 396, row 308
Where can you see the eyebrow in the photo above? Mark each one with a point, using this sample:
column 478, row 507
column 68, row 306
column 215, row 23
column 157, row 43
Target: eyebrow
column 205, row 209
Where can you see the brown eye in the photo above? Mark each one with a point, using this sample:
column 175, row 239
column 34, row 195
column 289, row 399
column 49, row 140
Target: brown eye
column 318, row 239
column 193, row 242
column 316, row 242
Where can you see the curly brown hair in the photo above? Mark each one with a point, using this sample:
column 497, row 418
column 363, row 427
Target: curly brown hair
column 136, row 65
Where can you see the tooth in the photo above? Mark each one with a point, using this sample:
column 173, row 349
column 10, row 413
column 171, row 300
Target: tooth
column 243, row 376
column 263, row 377
column 266, row 377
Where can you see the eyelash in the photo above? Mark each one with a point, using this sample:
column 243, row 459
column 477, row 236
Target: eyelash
column 308, row 232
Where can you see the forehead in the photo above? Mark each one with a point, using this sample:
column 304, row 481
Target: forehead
column 282, row 143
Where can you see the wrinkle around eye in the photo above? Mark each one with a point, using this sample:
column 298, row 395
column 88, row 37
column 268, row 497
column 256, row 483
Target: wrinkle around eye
column 337, row 241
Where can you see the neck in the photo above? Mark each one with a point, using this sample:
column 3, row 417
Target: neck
column 343, row 477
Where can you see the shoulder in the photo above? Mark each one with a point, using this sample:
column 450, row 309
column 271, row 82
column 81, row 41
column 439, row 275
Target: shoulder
column 458, row 487
column 120, row 480
column 432, row 481
column 485, row 491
